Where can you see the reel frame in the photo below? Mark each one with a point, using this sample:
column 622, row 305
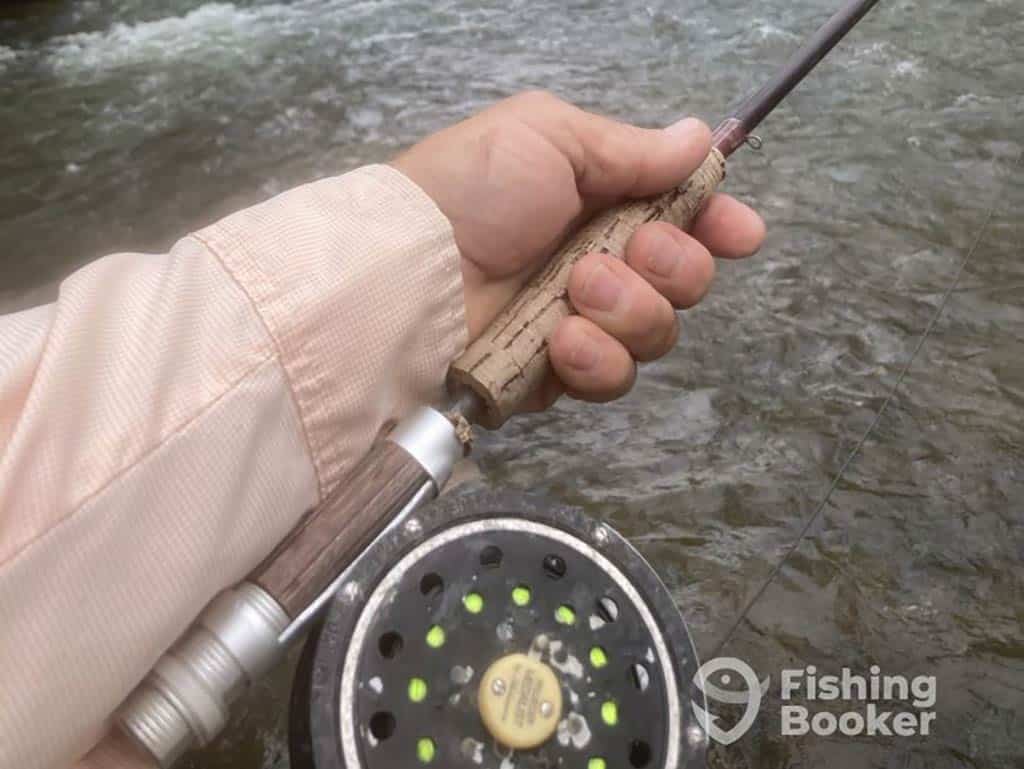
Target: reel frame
column 317, row 738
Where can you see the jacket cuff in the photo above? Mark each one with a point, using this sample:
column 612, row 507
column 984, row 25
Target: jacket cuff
column 357, row 280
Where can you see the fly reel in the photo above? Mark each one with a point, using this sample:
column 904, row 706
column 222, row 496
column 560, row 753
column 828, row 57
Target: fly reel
column 499, row 632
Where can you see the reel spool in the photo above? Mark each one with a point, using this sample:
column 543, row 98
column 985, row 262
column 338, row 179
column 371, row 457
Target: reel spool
column 499, row 632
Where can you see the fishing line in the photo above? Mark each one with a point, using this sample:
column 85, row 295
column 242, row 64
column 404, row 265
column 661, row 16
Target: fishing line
column 871, row 428
column 487, row 580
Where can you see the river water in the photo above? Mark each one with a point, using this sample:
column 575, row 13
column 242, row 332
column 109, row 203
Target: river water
column 125, row 123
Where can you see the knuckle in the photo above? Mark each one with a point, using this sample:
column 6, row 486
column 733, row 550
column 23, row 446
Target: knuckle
column 616, row 378
column 614, row 156
column 658, row 332
column 706, row 273
column 560, row 341
column 695, row 281
column 578, row 276
column 672, row 337
column 625, row 381
column 536, row 98
column 581, row 273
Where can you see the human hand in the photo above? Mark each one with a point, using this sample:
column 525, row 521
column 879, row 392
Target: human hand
column 518, row 178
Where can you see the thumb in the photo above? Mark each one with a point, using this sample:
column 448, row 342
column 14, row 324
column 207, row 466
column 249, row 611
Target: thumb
column 614, row 160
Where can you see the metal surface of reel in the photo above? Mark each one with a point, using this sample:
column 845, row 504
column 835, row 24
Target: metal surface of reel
column 392, row 678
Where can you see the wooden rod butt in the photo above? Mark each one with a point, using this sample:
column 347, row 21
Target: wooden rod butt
column 333, row 534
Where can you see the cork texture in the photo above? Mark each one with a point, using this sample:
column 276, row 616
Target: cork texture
column 510, row 359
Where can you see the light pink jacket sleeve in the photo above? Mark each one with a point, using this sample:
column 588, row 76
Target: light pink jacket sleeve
column 168, row 419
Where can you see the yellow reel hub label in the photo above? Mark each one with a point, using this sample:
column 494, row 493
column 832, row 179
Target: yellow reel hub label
column 520, row 701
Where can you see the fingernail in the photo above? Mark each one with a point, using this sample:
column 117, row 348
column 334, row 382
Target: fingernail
column 665, row 256
column 685, row 129
column 602, row 289
column 584, row 355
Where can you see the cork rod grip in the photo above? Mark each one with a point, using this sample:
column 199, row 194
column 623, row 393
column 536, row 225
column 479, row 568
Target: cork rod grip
column 509, row 360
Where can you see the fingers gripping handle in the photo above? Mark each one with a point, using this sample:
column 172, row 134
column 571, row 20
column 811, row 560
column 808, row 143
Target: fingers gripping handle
column 510, row 359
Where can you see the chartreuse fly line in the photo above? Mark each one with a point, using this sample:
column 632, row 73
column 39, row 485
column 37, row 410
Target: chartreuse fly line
column 417, row 689
column 435, row 637
column 474, row 602
column 521, row 595
column 565, row 615
column 425, row 750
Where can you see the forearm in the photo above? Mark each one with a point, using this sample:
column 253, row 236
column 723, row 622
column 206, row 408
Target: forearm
column 170, row 417
column 116, row 751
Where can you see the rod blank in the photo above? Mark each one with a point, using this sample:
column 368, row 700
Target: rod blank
column 754, row 109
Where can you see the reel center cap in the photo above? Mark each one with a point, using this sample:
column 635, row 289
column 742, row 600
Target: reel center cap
column 520, row 701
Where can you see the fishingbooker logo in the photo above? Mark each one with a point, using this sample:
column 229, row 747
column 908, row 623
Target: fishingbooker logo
column 864, row 692
column 750, row 698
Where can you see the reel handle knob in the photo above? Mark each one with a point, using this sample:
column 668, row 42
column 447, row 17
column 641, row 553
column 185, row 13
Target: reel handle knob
column 509, row 360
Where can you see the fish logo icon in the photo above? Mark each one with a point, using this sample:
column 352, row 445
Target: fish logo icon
column 750, row 697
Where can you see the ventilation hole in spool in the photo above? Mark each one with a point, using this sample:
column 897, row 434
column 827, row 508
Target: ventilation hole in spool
column 639, row 753
column 607, row 609
column 639, row 676
column 490, row 557
column 382, row 725
column 554, row 566
column 431, row 585
column 390, row 644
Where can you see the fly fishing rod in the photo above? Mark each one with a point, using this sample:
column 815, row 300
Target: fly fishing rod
column 501, row 632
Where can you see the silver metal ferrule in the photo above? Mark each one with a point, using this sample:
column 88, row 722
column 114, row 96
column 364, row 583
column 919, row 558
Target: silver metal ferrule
column 184, row 700
column 431, row 440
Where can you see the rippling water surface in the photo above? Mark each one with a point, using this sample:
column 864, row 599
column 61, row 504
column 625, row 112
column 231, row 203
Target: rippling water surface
column 125, row 123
